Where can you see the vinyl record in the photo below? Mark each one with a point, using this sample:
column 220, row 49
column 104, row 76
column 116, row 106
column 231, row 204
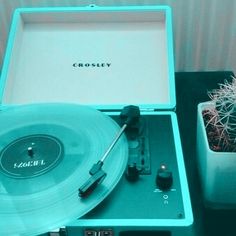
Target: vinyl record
column 46, row 151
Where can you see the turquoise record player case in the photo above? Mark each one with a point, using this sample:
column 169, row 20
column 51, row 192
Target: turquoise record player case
column 107, row 58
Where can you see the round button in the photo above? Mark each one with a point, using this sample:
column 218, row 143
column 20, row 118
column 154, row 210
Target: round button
column 132, row 173
column 164, row 179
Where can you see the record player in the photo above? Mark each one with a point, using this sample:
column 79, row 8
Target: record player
column 69, row 158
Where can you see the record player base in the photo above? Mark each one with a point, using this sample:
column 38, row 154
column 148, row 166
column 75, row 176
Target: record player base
column 142, row 208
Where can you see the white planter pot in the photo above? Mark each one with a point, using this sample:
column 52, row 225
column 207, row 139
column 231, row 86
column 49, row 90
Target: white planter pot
column 217, row 170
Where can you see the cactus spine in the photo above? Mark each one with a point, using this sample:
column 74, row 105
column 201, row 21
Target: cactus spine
column 224, row 114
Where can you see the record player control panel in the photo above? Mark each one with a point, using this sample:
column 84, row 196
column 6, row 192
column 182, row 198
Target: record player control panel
column 150, row 187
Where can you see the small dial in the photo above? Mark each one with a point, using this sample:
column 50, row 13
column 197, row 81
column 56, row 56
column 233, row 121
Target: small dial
column 164, row 178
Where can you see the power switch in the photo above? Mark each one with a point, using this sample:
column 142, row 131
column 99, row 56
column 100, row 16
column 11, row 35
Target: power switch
column 164, row 178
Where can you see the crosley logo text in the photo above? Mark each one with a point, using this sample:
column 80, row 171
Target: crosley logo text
column 86, row 65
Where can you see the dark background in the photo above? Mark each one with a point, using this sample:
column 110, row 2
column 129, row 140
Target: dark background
column 191, row 89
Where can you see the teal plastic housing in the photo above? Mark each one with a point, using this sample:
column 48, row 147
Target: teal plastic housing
column 22, row 75
column 177, row 227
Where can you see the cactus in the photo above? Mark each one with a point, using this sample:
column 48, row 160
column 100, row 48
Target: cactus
column 223, row 115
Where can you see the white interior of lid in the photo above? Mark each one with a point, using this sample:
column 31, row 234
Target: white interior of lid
column 129, row 48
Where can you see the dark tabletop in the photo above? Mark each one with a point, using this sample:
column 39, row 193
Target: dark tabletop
column 191, row 88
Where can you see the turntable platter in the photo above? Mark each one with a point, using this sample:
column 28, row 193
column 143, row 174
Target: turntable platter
column 46, row 151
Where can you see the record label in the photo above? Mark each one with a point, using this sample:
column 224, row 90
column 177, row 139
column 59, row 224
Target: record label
column 31, row 156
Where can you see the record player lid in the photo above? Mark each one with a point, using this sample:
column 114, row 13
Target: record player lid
column 105, row 57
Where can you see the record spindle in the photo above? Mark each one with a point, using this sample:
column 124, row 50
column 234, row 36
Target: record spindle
column 30, row 151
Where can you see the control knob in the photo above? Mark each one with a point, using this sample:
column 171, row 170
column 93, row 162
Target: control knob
column 164, row 178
